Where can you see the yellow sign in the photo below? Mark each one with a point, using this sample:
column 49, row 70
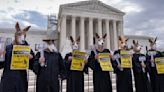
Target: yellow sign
column 126, row 59
column 20, row 57
column 105, row 62
column 160, row 65
column 78, row 60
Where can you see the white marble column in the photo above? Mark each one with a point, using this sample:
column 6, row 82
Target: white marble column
column 115, row 38
column 111, row 35
column 63, row 32
column 90, row 33
column 82, row 31
column 100, row 27
column 73, row 33
column 108, row 33
column 121, row 28
column 120, row 31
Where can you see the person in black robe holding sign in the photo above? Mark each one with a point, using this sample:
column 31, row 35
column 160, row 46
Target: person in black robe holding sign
column 123, row 75
column 15, row 80
column 101, row 79
column 75, row 78
column 49, row 67
column 140, row 69
column 157, row 80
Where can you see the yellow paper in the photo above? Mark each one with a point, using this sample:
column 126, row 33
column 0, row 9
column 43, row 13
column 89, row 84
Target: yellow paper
column 160, row 65
column 105, row 62
column 78, row 60
column 20, row 57
column 126, row 59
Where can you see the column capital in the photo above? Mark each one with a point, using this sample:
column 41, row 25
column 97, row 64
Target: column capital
column 73, row 16
column 114, row 20
column 99, row 19
column 107, row 20
column 82, row 18
column 91, row 18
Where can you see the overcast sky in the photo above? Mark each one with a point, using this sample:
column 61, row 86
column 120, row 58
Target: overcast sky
column 143, row 17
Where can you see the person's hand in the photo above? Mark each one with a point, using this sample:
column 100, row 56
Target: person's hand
column 152, row 60
column 70, row 58
column 2, row 52
column 30, row 56
column 143, row 65
column 119, row 67
column 86, row 61
column 41, row 60
column 96, row 56
column 110, row 55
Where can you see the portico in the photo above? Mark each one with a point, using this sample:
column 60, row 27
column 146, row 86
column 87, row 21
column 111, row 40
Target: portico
column 86, row 18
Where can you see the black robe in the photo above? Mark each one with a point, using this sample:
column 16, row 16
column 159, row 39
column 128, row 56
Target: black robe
column 75, row 79
column 157, row 80
column 48, row 75
column 14, row 80
column 142, row 83
column 101, row 79
column 123, row 78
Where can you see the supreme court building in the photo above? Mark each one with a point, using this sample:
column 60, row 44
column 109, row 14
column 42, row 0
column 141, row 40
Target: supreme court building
column 86, row 18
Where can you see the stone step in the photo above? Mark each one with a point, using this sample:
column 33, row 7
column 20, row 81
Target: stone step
column 88, row 84
column 85, row 77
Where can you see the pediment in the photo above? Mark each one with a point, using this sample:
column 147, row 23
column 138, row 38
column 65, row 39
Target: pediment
column 92, row 5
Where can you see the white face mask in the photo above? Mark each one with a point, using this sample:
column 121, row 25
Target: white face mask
column 153, row 47
column 52, row 47
column 100, row 42
column 138, row 49
column 21, row 39
column 75, row 47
